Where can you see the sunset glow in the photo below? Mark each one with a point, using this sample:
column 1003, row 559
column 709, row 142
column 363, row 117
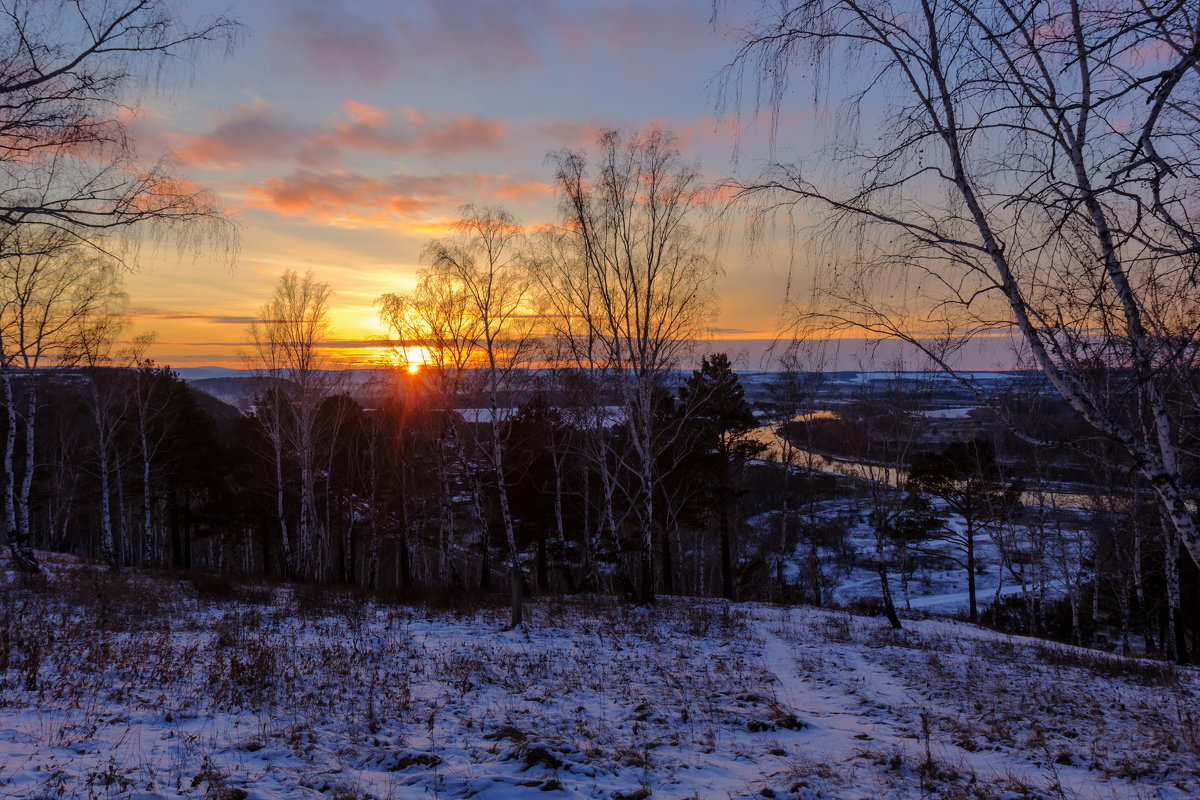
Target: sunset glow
column 346, row 154
column 413, row 358
column 347, row 161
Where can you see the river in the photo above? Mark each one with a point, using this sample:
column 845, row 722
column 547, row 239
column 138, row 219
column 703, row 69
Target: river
column 890, row 474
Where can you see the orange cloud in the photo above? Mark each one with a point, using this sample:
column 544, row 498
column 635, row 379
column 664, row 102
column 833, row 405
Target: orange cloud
column 332, row 194
column 528, row 190
column 409, row 129
column 351, row 196
column 246, row 133
column 261, row 132
column 365, row 113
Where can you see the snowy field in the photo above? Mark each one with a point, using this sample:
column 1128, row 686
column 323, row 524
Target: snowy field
column 934, row 584
column 135, row 687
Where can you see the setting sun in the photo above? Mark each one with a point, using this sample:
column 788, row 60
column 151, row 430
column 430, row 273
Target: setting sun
column 412, row 358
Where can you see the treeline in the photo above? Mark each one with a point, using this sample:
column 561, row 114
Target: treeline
column 133, row 467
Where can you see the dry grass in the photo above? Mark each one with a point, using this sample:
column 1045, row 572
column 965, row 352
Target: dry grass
column 198, row 686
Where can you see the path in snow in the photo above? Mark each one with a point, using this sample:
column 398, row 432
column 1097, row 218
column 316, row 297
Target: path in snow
column 839, row 673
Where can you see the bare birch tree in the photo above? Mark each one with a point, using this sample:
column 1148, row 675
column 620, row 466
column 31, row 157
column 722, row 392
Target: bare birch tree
column 51, row 290
column 484, row 264
column 287, row 349
column 153, row 417
column 1029, row 170
column 96, row 353
column 637, row 282
column 434, row 342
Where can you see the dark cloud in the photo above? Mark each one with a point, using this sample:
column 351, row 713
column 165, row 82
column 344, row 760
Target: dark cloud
column 333, row 39
column 221, row 319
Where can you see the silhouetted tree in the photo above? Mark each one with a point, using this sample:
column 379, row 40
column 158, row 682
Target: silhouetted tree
column 714, row 406
column 966, row 479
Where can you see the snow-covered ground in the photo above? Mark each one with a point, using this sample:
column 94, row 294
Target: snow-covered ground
column 934, row 585
column 949, row 413
column 927, row 582
column 140, row 687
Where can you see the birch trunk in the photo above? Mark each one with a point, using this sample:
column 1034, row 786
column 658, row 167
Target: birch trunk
column 18, row 542
column 289, row 565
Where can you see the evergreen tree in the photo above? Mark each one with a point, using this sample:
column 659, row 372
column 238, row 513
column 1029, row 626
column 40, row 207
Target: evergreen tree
column 722, row 425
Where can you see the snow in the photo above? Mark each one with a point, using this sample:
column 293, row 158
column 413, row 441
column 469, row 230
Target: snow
column 934, row 584
column 957, row 602
column 949, row 413
column 140, row 687
column 603, row 415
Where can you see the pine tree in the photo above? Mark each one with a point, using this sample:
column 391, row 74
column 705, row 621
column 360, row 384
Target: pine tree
column 722, row 424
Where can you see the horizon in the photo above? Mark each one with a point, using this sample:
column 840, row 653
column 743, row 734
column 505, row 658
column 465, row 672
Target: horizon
column 848, row 354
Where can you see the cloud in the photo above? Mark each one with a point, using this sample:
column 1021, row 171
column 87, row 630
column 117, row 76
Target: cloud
column 262, row 133
column 486, row 35
column 690, row 135
column 407, row 129
column 635, row 29
column 259, row 132
column 524, row 190
column 333, row 39
column 340, row 195
column 569, row 133
column 336, row 194
column 244, row 134
column 353, row 343
column 324, row 343
column 221, row 319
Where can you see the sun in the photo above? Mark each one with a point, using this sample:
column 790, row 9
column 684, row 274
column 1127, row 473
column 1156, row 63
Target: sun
column 412, row 358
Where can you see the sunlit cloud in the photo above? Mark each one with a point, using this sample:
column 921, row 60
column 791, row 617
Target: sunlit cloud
column 260, row 133
column 406, row 129
column 356, row 197
column 335, row 194
column 524, row 190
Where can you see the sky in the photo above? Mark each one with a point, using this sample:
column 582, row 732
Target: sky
column 341, row 136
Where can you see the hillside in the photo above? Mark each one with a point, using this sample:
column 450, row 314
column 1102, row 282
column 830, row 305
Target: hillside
column 137, row 686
